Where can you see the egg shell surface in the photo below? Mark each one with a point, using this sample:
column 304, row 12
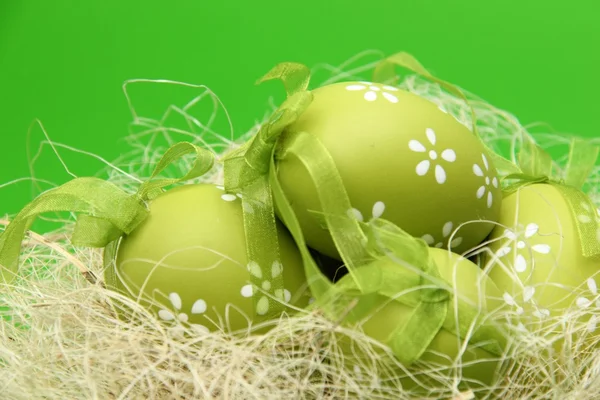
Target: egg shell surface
column 535, row 257
column 401, row 158
column 187, row 261
column 472, row 287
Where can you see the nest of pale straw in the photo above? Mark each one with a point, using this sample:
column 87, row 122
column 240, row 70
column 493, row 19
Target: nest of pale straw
column 61, row 337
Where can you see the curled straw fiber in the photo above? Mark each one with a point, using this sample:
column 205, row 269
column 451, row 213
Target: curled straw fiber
column 61, row 338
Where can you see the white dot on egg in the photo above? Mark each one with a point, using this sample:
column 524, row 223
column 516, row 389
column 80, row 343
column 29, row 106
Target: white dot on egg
column 370, row 96
column 432, row 154
column 247, row 291
column 229, row 197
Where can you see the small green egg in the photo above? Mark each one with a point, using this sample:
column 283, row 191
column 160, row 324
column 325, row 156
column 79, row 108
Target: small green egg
column 187, row 261
column 471, row 287
column 401, row 158
column 535, row 257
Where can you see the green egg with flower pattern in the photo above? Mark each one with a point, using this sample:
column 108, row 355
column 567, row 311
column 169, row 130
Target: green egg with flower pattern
column 472, row 289
column 400, row 157
column 535, row 257
column 187, row 262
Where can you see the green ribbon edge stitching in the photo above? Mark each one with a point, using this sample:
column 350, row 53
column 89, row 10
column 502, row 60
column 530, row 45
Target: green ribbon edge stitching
column 536, row 166
column 409, row 342
column 107, row 212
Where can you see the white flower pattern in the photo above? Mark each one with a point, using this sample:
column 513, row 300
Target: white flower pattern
column 585, row 303
column 262, row 306
column 520, row 264
column 372, row 90
column 199, row 307
column 528, row 301
column 447, row 230
column 376, row 212
column 424, row 166
column 488, row 182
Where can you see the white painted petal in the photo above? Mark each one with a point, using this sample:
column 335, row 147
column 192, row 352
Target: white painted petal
column 200, row 328
column 183, row 317
column 175, row 300
column 541, row 248
column 528, row 292
column 449, row 155
column 287, row 296
column 355, row 87
column 220, row 187
column 485, row 161
column 440, row 174
column 480, row 192
column 585, row 206
column 239, row 195
column 390, row 88
column 490, row 199
column 375, row 88
column 199, row 307
column 390, row 97
column 582, row 302
column 477, row 170
column 378, row 209
column 541, row 313
column 356, row 214
column 166, row 315
column 508, row 299
column 520, row 244
column 417, row 146
column 531, row 229
column 503, row 251
column 584, row 219
column 520, row 263
column 592, row 324
column 510, row 234
column 228, row 197
column 456, row 242
column 422, row 167
column 254, row 269
column 247, row 291
column 447, row 229
column 520, row 310
column 266, row 286
column 262, row 306
column 495, row 182
column 428, row 239
column 439, row 245
column 370, row 96
column 591, row 284
column 430, row 135
column 276, row 269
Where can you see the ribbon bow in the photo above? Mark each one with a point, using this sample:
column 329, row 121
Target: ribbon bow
column 107, row 212
column 535, row 166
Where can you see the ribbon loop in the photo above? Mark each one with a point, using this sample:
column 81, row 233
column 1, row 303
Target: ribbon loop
column 295, row 77
column 581, row 162
column 107, row 211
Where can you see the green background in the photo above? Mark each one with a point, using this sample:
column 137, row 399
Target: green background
column 64, row 61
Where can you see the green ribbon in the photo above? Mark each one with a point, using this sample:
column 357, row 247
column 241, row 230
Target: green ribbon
column 246, row 172
column 107, row 212
column 366, row 249
column 535, row 166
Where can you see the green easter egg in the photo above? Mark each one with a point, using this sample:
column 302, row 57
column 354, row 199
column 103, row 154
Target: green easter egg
column 188, row 260
column 400, row 157
column 473, row 288
column 535, row 257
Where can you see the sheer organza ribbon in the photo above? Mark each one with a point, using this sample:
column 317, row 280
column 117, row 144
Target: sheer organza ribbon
column 536, row 166
column 106, row 211
column 365, row 248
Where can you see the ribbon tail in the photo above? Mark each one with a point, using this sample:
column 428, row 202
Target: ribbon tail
column 582, row 160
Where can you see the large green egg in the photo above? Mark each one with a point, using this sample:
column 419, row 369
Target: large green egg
column 535, row 257
column 187, row 261
column 400, row 157
column 471, row 287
